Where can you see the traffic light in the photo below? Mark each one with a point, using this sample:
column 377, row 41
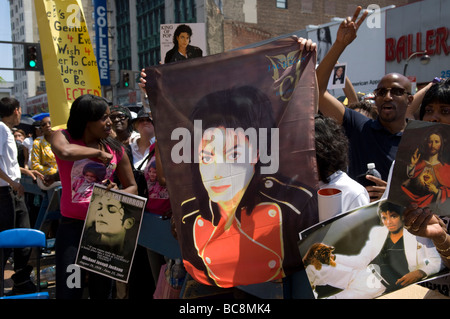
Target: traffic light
column 32, row 57
column 127, row 79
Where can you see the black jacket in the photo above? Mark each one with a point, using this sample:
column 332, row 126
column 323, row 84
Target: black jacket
column 192, row 52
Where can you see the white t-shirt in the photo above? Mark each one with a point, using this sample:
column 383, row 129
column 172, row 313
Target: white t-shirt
column 28, row 143
column 138, row 158
column 8, row 155
column 354, row 195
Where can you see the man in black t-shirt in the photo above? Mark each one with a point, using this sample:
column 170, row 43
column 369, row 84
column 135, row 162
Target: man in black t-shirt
column 371, row 141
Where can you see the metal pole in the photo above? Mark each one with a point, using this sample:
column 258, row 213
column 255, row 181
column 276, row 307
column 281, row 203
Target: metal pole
column 409, row 58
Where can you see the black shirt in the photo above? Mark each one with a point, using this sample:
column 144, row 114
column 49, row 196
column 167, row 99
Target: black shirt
column 392, row 261
column 369, row 142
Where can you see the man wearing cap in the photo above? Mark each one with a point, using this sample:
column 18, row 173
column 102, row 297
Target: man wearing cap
column 123, row 129
column 140, row 146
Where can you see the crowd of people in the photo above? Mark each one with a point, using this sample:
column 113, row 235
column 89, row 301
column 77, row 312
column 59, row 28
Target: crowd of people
column 376, row 140
column 348, row 137
column 102, row 143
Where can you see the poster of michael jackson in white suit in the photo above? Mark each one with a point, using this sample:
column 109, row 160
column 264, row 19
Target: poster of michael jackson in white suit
column 366, row 253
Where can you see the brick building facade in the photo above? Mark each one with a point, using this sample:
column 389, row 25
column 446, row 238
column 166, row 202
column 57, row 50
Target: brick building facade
column 267, row 21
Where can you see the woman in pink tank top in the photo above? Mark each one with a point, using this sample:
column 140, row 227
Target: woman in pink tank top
column 85, row 154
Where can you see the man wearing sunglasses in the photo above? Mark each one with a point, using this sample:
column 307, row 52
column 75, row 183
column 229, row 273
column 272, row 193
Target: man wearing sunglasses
column 371, row 141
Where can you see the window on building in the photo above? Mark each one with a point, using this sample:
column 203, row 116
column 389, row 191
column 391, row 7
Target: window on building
column 185, row 11
column 42, row 85
column 151, row 15
column 282, row 4
column 123, row 34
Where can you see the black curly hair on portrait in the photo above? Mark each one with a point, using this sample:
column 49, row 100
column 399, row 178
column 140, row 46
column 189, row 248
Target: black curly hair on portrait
column 180, row 29
column 240, row 107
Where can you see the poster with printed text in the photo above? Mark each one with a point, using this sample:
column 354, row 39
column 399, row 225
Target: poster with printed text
column 70, row 65
column 367, row 253
column 110, row 233
column 232, row 130
column 189, row 36
column 421, row 172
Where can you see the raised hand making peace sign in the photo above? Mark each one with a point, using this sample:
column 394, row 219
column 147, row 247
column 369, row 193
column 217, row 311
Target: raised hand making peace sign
column 348, row 28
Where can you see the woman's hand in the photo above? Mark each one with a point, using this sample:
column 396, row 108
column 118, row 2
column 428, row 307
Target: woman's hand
column 109, row 185
column 105, row 157
column 422, row 222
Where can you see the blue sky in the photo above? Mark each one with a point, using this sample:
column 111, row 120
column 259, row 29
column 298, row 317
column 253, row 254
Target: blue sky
column 5, row 35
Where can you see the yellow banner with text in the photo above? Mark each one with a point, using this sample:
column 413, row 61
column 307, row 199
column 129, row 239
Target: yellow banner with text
column 70, row 65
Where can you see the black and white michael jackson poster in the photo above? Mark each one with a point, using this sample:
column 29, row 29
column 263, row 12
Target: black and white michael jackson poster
column 367, row 253
column 110, row 233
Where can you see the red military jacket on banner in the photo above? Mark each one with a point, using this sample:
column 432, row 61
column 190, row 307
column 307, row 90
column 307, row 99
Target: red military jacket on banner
column 256, row 237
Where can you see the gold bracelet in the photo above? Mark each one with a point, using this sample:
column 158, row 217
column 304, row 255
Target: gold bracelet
column 445, row 239
column 442, row 250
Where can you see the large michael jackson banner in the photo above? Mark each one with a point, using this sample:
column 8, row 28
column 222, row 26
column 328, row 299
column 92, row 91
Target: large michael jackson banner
column 236, row 137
